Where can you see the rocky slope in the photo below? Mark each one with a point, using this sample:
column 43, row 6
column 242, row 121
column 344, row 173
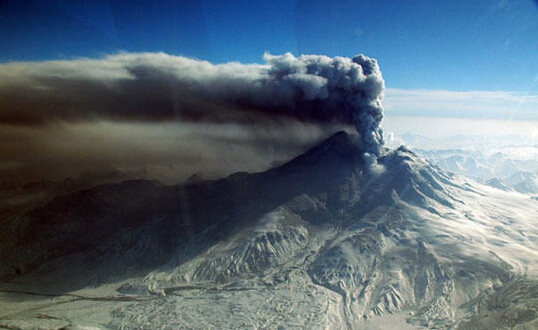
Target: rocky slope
column 324, row 241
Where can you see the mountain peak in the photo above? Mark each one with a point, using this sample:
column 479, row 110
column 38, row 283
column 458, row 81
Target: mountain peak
column 343, row 137
column 341, row 141
column 339, row 148
column 325, row 224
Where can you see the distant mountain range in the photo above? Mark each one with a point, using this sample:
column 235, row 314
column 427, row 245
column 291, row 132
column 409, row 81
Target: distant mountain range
column 497, row 170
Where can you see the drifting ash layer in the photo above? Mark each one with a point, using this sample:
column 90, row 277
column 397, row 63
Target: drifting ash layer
column 322, row 242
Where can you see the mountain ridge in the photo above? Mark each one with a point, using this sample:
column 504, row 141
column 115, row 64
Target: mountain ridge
column 327, row 230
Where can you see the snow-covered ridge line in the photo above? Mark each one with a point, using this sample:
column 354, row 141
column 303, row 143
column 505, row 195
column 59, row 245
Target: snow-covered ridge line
column 324, row 241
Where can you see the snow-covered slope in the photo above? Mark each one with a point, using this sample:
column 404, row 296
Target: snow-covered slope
column 496, row 183
column 322, row 242
column 523, row 181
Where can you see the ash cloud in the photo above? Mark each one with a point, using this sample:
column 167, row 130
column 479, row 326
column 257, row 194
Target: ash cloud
column 177, row 116
column 169, row 152
column 156, row 87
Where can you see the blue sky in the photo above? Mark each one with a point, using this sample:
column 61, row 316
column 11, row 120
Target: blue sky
column 447, row 65
column 463, row 46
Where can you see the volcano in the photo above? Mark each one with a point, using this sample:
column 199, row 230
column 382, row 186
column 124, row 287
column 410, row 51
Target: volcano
column 326, row 241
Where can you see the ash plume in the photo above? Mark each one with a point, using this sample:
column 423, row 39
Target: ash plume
column 156, row 87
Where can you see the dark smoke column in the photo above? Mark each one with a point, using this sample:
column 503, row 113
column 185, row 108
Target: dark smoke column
column 323, row 89
column 157, row 87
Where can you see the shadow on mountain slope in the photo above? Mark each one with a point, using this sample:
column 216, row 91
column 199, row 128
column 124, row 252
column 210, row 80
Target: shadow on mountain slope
column 115, row 231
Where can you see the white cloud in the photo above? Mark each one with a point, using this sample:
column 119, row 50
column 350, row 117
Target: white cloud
column 469, row 104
